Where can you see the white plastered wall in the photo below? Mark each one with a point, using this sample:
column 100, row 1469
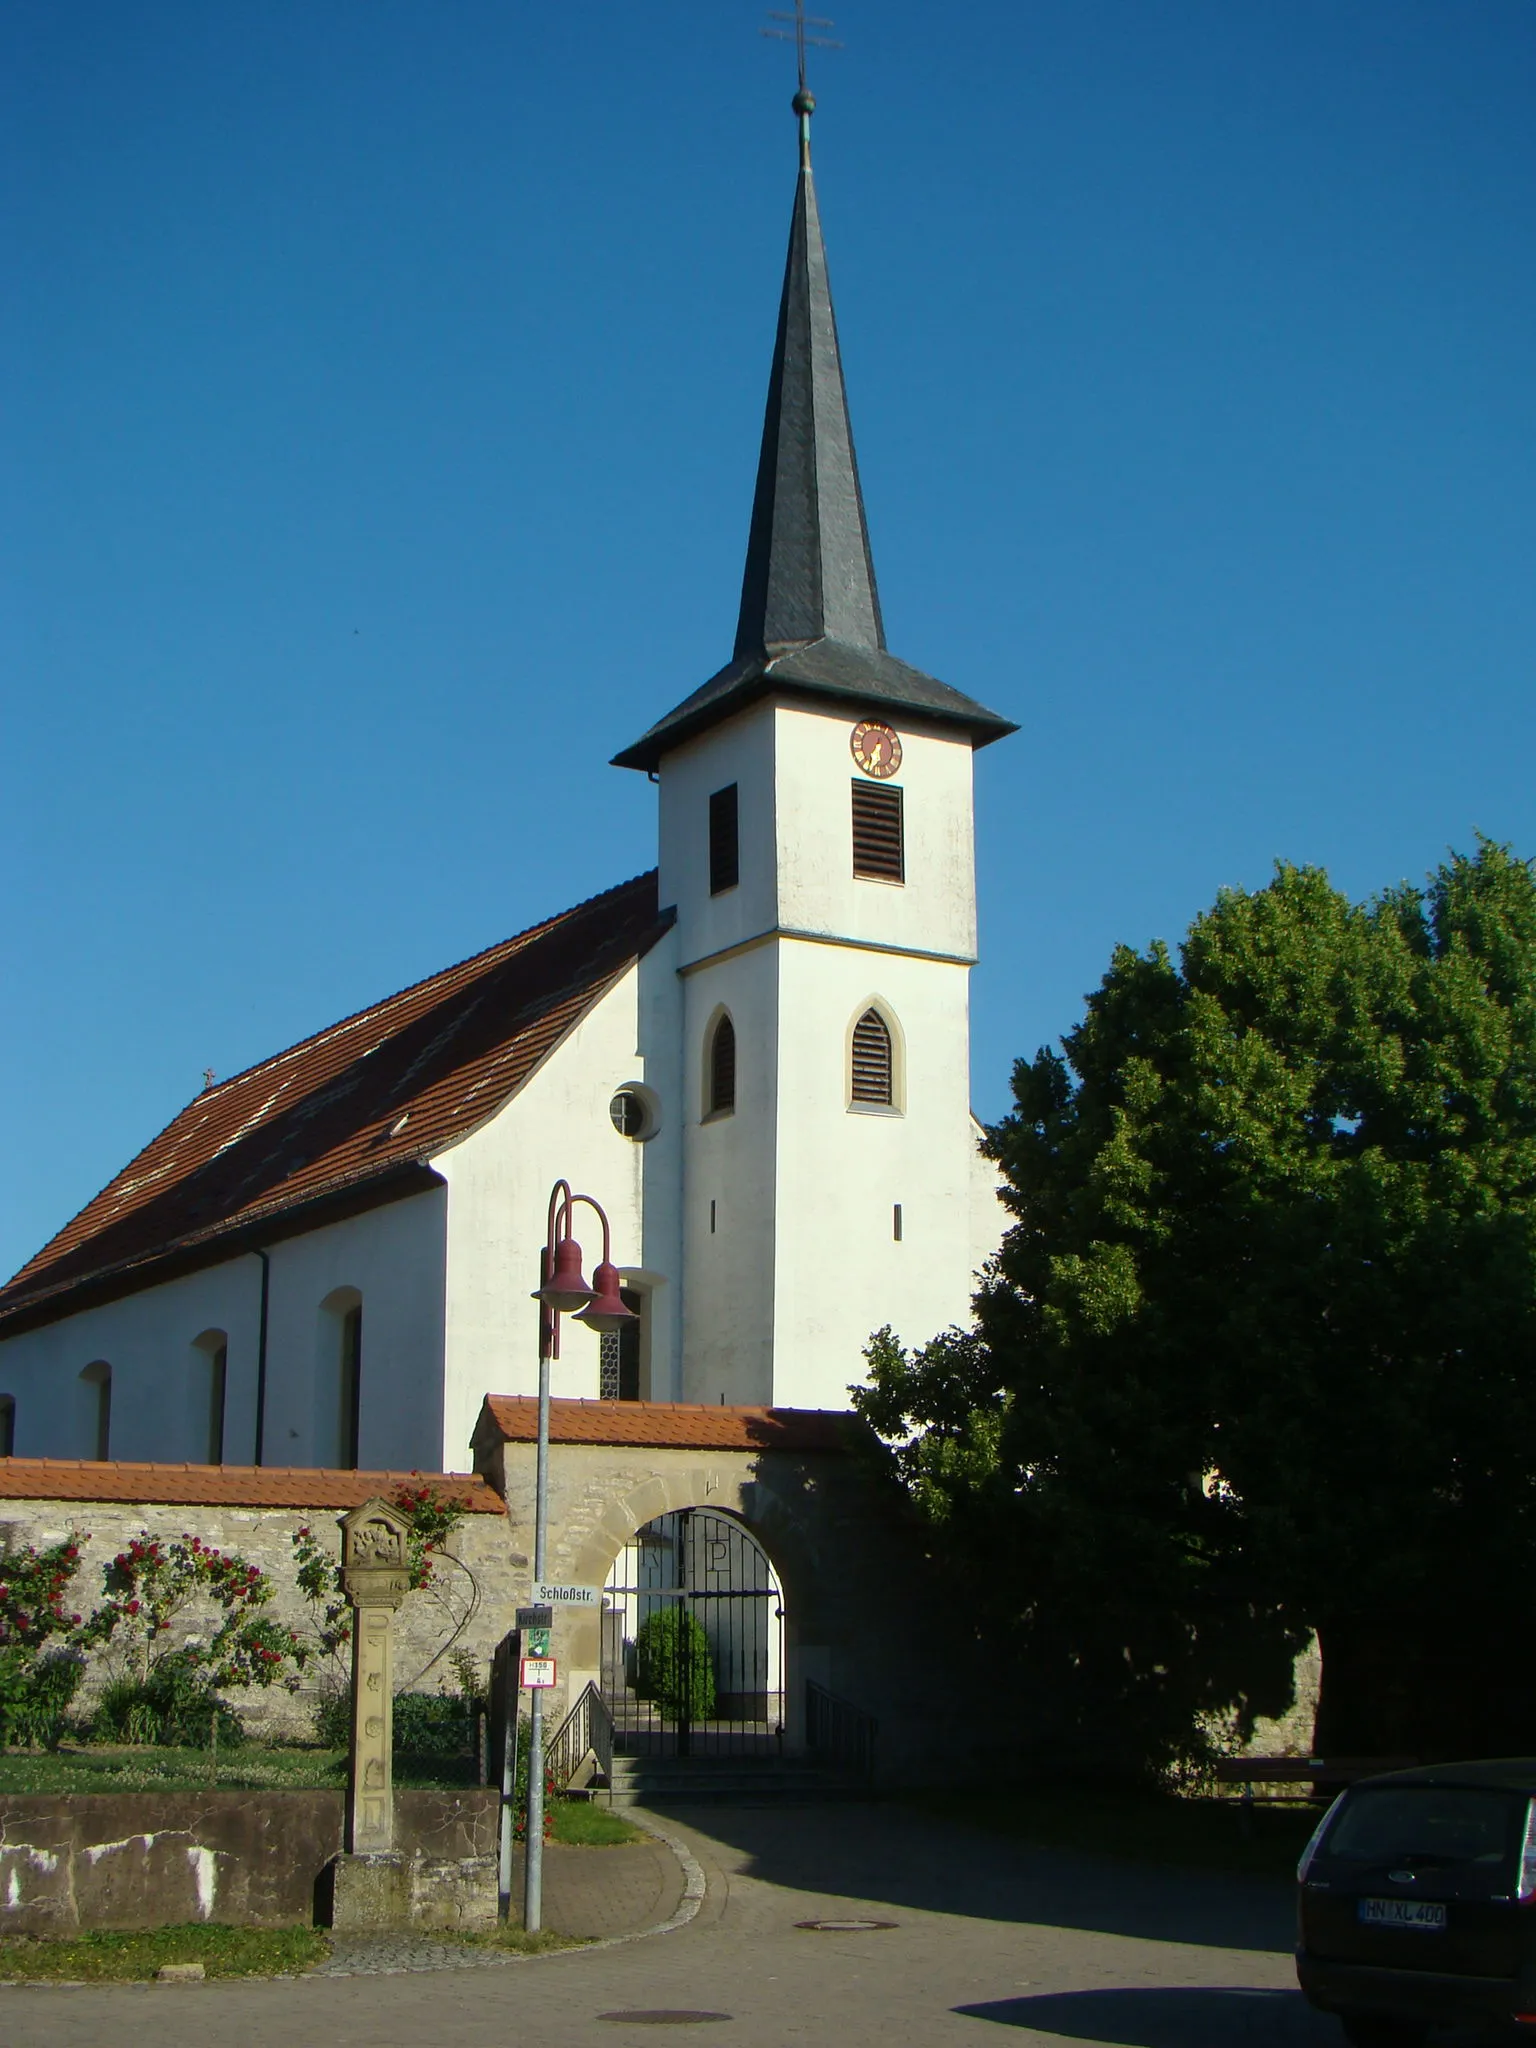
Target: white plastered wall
column 842, row 1272
column 558, row 1127
column 160, row 1401
column 392, row 1259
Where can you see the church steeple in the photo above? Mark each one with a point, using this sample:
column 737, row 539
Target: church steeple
column 809, row 574
column 810, row 621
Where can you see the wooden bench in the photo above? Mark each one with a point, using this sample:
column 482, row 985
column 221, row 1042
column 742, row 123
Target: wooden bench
column 1324, row 1774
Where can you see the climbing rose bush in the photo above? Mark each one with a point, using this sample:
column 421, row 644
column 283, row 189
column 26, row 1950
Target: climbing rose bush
column 36, row 1604
column 39, row 1669
column 153, row 1584
column 430, row 1518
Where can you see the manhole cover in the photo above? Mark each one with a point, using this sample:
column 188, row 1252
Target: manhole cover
column 663, row 2018
column 844, row 1926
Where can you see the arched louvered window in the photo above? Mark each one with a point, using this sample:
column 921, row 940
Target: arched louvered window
column 872, row 1060
column 722, row 1068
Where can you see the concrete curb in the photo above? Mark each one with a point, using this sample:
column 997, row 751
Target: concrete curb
column 695, row 1891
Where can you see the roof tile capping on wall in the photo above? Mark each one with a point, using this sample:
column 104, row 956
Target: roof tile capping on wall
column 235, row 1486
column 663, row 1425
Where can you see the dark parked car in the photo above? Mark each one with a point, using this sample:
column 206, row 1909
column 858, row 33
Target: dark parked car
column 1418, row 1904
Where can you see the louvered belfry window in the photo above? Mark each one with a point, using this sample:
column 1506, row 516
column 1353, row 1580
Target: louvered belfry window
column 724, row 853
column 872, row 1059
column 722, row 1068
column 877, row 837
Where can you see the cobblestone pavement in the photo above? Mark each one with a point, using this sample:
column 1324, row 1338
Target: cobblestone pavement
column 990, row 1941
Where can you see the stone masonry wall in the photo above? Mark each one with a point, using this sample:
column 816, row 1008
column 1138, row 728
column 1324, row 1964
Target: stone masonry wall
column 478, row 1582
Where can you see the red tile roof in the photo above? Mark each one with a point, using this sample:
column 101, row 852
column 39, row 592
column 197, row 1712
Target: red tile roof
column 351, row 1115
column 235, row 1486
column 665, row 1425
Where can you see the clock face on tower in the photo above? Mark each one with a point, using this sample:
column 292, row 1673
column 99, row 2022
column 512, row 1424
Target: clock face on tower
column 876, row 748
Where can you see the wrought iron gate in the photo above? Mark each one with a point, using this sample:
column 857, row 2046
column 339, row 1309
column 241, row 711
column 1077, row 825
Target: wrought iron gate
column 693, row 1641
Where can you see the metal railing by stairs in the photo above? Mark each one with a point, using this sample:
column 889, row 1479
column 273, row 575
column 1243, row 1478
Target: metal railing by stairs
column 580, row 1752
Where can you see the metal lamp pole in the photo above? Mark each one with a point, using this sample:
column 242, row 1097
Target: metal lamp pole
column 562, row 1290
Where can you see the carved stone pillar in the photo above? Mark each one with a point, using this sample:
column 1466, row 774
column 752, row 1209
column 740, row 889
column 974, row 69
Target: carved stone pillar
column 375, row 1576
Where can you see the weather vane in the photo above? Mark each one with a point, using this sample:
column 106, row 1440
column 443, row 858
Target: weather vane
column 795, row 33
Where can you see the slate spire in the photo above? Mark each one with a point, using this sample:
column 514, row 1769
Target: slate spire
column 809, row 575
column 810, row 622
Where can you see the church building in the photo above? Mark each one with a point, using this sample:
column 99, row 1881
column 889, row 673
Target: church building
column 755, row 1056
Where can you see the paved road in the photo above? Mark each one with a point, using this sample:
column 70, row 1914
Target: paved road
column 991, row 1943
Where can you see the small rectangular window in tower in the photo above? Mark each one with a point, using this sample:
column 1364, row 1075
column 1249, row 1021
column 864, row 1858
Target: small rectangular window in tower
column 724, row 851
column 896, row 1221
column 7, row 1425
column 619, row 1367
column 878, row 852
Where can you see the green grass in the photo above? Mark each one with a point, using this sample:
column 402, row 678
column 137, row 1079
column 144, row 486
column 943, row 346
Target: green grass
column 1208, row 1834
column 254, row 1767
column 103, row 1957
column 117, row 1767
column 584, row 1824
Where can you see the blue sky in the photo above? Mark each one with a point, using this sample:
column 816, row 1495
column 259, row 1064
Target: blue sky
column 384, row 388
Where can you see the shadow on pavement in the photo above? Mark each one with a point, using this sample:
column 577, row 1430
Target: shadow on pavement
column 891, row 1855
column 1173, row 2018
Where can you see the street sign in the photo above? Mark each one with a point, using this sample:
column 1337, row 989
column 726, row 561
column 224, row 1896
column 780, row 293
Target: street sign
column 535, row 1617
column 536, row 1673
column 552, row 1595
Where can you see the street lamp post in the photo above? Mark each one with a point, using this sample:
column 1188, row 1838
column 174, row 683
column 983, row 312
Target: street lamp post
column 562, row 1290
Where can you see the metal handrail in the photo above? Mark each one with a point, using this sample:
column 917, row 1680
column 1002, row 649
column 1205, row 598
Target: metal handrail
column 837, row 1732
column 588, row 1727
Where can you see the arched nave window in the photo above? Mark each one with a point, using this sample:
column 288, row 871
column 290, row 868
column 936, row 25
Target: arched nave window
column 339, row 1380
column 722, row 1068
column 97, row 1383
column 872, row 1065
column 210, row 1365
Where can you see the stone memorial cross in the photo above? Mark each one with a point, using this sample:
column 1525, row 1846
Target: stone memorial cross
column 375, row 1575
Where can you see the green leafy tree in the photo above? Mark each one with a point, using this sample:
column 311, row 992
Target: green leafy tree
column 673, row 1666
column 1257, row 1354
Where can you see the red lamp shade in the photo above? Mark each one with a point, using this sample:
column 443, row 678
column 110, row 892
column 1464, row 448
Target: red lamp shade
column 566, row 1288
column 606, row 1312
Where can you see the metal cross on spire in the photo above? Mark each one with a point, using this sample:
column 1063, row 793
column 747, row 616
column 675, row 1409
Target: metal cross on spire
column 795, row 33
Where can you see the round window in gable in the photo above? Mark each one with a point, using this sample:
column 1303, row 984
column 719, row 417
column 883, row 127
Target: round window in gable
column 635, row 1113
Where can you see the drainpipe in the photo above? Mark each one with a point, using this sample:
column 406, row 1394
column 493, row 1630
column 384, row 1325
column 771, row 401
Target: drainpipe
column 261, row 1357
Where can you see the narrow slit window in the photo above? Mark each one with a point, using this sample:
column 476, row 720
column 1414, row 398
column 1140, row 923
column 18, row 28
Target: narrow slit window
column 722, row 1068
column 350, row 1418
column 724, row 845
column 872, row 1059
column 878, row 845
column 7, row 1425
column 218, row 1376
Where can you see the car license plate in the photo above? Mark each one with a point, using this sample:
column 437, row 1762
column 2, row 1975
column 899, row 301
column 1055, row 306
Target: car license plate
column 1423, row 1913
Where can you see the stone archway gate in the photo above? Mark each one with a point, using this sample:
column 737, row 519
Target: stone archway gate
column 692, row 1650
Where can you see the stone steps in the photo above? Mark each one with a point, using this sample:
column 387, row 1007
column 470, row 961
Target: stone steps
column 645, row 1780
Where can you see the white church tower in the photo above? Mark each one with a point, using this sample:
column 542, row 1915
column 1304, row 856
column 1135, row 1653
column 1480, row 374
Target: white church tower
column 816, row 841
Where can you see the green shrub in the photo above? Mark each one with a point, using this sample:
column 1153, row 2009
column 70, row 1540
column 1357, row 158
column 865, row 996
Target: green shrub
column 36, row 1694
column 174, row 1706
column 673, row 1666
column 426, row 1724
column 431, row 1724
column 333, row 1719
